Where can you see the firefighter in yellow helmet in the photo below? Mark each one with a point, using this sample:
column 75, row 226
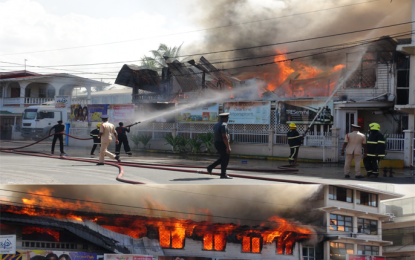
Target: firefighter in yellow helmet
column 94, row 133
column 294, row 141
column 375, row 150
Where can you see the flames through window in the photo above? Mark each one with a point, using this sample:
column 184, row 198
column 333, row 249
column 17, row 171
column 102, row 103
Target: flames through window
column 214, row 241
column 172, row 237
column 251, row 244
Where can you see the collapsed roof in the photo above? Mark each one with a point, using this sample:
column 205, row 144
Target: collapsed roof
column 134, row 76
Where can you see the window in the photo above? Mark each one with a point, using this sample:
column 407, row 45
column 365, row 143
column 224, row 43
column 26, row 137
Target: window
column 171, row 238
column 42, row 92
column 367, row 250
column 367, row 199
column 341, row 223
column 44, row 114
column 400, row 236
column 214, row 241
column 308, row 253
column 339, row 250
column 251, row 244
column 340, row 194
column 30, row 114
column 367, row 226
column 402, row 79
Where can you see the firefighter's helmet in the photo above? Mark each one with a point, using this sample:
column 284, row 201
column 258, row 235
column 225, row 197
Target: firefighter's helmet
column 293, row 126
column 374, row 126
column 98, row 125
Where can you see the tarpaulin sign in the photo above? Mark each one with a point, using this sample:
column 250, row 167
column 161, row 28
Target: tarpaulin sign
column 364, row 257
column 208, row 113
column 62, row 101
column 127, row 257
column 303, row 112
column 248, row 112
column 51, row 255
column 121, row 113
column 96, row 111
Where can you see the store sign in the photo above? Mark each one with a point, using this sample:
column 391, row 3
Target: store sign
column 303, row 112
column 121, row 113
column 248, row 112
column 62, row 101
column 96, row 111
column 207, row 113
column 364, row 257
column 127, row 257
column 7, row 244
column 49, row 255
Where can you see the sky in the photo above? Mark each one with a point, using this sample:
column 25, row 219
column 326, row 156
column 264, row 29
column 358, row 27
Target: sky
column 34, row 27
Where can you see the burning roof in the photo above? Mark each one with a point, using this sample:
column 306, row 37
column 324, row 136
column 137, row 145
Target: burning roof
column 118, row 232
column 145, row 79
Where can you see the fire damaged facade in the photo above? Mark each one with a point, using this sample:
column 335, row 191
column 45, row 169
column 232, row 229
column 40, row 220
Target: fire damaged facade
column 337, row 220
column 365, row 81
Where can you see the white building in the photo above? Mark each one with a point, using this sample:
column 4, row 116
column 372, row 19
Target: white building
column 400, row 229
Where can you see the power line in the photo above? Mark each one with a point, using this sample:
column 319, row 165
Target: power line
column 207, row 29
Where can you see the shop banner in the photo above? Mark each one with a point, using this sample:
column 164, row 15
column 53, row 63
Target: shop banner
column 49, row 255
column 364, row 257
column 183, row 258
column 206, row 114
column 121, row 113
column 79, row 113
column 7, row 244
column 62, row 101
column 96, row 111
column 127, row 257
column 303, row 112
column 248, row 112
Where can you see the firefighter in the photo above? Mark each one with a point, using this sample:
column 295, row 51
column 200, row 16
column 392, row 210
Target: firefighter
column 94, row 133
column 294, row 141
column 375, row 150
column 123, row 139
column 59, row 131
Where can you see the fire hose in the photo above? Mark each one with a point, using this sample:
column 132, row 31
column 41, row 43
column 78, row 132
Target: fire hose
column 168, row 167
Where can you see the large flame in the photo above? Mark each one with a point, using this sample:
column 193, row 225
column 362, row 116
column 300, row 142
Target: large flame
column 298, row 79
column 171, row 231
column 38, row 230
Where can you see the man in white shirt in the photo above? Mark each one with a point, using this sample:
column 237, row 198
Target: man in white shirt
column 106, row 131
column 354, row 142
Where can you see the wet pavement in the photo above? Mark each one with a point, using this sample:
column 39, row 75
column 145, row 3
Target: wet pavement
column 30, row 169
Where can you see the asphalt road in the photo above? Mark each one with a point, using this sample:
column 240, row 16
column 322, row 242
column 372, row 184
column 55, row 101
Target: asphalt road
column 23, row 169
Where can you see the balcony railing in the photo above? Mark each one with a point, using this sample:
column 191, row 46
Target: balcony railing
column 27, row 101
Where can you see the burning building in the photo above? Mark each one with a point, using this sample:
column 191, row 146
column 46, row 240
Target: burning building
column 341, row 212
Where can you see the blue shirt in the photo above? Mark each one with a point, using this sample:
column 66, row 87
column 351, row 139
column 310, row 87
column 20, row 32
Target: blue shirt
column 219, row 129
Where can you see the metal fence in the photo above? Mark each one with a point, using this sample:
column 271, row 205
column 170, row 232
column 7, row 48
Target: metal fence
column 395, row 142
column 309, row 140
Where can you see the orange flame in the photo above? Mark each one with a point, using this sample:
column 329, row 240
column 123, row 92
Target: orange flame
column 31, row 230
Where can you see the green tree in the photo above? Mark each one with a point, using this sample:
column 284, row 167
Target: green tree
column 158, row 61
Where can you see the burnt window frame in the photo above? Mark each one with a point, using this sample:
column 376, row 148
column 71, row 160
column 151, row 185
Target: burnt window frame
column 365, row 251
column 370, row 201
column 213, row 243
column 333, row 194
column 371, row 228
column 171, row 242
column 351, row 246
column 344, row 223
column 250, row 241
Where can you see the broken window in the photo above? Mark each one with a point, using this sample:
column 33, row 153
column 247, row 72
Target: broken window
column 364, row 75
column 251, row 244
column 214, row 241
column 402, row 82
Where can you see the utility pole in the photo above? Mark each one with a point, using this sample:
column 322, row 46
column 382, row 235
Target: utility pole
column 25, row 67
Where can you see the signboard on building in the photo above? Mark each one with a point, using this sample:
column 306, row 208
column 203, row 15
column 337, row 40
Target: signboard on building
column 303, row 112
column 364, row 257
column 49, row 255
column 206, row 114
column 94, row 112
column 121, row 113
column 127, row 257
column 7, row 244
column 183, row 258
column 79, row 113
column 248, row 112
column 62, row 101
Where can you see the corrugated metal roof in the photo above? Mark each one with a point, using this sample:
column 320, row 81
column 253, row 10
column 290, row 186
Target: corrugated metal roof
column 134, row 76
column 187, row 80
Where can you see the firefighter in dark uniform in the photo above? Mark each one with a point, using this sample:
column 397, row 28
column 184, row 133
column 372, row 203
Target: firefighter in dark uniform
column 59, row 131
column 375, row 150
column 294, row 141
column 94, row 133
column 221, row 135
column 123, row 139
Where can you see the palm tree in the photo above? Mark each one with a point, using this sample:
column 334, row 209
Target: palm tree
column 158, row 61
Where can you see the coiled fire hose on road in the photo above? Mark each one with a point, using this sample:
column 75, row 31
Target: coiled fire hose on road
column 168, row 167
